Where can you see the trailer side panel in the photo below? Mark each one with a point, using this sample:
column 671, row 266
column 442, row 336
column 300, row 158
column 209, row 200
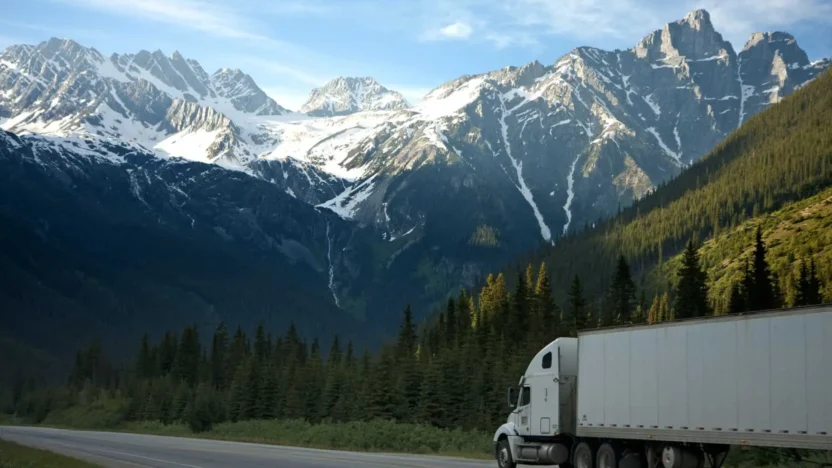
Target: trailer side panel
column 758, row 380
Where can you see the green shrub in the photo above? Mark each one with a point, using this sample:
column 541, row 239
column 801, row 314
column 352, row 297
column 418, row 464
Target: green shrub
column 103, row 413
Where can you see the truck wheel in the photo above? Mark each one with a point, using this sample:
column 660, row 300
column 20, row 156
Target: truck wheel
column 584, row 457
column 504, row 459
column 607, row 457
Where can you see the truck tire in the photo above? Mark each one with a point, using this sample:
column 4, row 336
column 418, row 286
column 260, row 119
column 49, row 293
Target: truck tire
column 584, row 456
column 504, row 459
column 607, row 457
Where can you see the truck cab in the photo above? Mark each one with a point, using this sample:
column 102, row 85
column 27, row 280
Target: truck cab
column 540, row 426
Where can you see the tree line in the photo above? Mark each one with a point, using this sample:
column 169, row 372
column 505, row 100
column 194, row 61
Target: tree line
column 449, row 371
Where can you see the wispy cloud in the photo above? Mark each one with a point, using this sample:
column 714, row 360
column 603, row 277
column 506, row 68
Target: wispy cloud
column 206, row 16
column 278, row 68
column 505, row 23
column 457, row 30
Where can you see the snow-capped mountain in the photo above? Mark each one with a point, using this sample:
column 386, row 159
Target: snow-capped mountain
column 484, row 168
column 169, row 104
column 583, row 136
column 342, row 96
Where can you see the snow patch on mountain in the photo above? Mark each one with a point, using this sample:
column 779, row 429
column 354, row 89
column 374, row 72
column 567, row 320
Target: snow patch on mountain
column 570, row 194
column 664, row 146
column 448, row 100
column 518, row 167
column 345, row 204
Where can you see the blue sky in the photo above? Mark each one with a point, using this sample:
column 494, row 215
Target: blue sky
column 291, row 46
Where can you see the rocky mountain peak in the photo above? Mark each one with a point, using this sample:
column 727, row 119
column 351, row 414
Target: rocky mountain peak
column 766, row 45
column 348, row 95
column 692, row 37
column 244, row 93
column 699, row 20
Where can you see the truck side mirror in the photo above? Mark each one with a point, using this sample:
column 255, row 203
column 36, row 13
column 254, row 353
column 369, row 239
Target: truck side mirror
column 512, row 399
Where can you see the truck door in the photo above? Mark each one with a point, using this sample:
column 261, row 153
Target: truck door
column 524, row 410
column 545, row 396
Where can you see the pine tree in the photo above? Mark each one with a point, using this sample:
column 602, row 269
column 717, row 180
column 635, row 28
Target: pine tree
column 464, row 310
column 432, row 401
column 813, row 295
column 407, row 382
column 664, row 309
column 144, row 363
column 176, row 411
column 293, row 404
column 261, row 345
column 333, row 381
column 167, row 353
column 267, row 394
column 219, row 356
column 762, row 293
column 186, row 363
column 737, row 299
column 345, row 396
column 383, row 402
column 518, row 321
column 640, row 312
column 450, row 324
column 547, row 325
column 236, row 354
column 314, row 381
column 577, row 307
column 620, row 300
column 151, row 410
column 238, row 398
column 801, row 286
column 692, row 292
column 653, row 313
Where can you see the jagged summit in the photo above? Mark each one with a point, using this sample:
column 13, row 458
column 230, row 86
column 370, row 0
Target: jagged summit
column 348, row 95
column 693, row 37
column 699, row 19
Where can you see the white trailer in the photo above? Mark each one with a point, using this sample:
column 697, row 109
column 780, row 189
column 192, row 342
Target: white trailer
column 675, row 394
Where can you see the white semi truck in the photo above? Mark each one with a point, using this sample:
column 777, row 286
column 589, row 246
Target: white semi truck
column 675, row 394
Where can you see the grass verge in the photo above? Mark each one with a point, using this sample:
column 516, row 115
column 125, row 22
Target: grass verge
column 360, row 436
column 369, row 436
column 13, row 455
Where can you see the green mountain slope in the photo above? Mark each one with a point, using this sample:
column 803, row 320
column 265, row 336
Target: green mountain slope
column 795, row 234
column 779, row 156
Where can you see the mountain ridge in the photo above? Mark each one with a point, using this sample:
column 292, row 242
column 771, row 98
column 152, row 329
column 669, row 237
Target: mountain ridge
column 483, row 169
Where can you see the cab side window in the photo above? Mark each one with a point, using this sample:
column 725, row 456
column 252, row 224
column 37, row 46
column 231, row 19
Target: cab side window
column 547, row 360
column 526, row 396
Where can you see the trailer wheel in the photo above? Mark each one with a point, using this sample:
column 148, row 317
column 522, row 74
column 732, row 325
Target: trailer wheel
column 607, row 457
column 584, row 457
column 504, row 459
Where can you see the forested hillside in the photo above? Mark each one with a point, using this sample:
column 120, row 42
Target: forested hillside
column 799, row 241
column 782, row 155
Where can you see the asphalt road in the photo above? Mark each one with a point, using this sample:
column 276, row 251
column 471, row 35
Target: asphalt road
column 121, row 450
